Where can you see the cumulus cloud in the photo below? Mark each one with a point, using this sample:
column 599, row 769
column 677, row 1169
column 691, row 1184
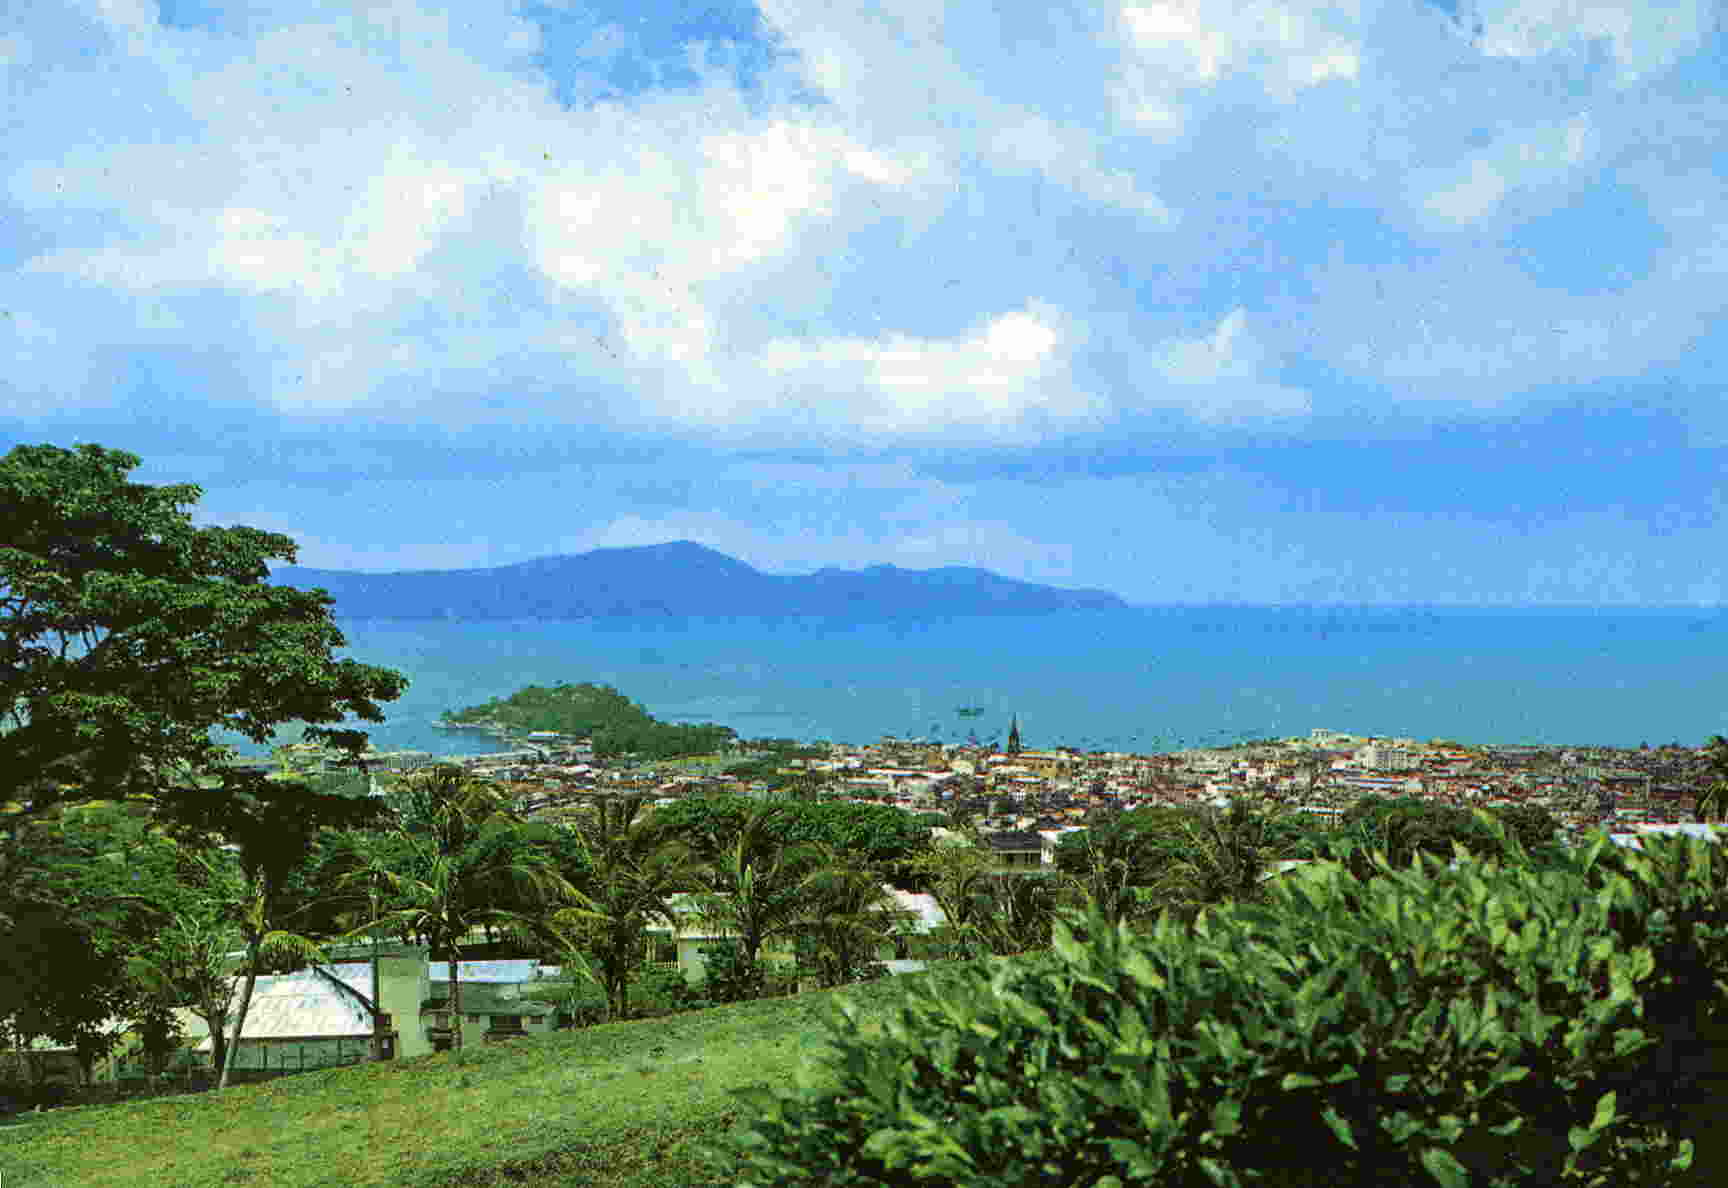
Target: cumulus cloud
column 987, row 222
column 1465, row 191
column 1644, row 38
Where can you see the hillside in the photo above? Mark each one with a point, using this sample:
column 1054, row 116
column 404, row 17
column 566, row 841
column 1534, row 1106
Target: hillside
column 681, row 579
column 577, row 710
column 616, row 724
column 621, row 1104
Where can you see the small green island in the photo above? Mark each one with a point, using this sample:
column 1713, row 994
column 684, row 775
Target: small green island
column 614, row 724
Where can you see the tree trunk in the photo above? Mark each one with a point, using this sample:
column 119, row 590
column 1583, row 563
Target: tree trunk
column 245, row 1005
column 455, row 999
column 217, row 1022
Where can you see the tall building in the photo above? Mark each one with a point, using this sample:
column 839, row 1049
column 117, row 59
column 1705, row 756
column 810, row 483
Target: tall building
column 1014, row 736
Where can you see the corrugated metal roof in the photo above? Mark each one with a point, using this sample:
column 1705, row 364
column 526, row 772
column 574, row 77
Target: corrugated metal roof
column 909, row 965
column 515, row 970
column 299, row 1005
column 306, row 1004
column 928, row 915
column 1705, row 830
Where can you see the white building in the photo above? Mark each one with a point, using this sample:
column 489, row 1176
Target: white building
column 1385, row 756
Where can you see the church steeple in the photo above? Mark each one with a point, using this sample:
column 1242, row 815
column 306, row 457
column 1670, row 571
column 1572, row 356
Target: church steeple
column 1014, row 736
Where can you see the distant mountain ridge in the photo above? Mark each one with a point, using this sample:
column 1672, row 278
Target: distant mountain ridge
column 681, row 578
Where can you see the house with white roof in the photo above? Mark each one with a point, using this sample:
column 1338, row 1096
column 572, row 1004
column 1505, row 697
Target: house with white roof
column 324, row 1015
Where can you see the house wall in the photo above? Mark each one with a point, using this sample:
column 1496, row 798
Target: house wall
column 693, row 963
column 403, row 985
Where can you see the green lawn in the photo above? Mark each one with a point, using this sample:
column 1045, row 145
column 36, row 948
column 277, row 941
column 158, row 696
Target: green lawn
column 602, row 1107
column 618, row 1104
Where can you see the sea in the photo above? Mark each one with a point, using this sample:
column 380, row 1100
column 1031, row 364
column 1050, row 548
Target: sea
column 1145, row 679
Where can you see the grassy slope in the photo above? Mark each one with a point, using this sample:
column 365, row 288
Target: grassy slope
column 620, row 1104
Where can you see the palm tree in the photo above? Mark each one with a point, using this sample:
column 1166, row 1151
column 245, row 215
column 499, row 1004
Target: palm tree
column 1713, row 800
column 756, row 887
column 959, row 876
column 635, row 868
column 1219, row 858
column 1121, row 856
column 438, row 878
column 851, row 915
column 246, row 898
column 1022, row 911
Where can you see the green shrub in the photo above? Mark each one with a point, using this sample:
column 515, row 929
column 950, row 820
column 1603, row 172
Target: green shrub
column 1424, row 1027
column 579, row 1005
column 670, row 989
column 727, row 976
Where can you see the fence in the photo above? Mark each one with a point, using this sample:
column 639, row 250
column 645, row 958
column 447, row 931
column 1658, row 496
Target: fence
column 275, row 1059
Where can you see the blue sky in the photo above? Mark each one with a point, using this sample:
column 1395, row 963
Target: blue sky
column 1205, row 300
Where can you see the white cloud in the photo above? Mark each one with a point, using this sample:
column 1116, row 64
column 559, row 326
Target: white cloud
column 1000, row 211
column 1525, row 159
column 1221, row 376
column 989, row 378
column 1178, row 45
column 1645, row 38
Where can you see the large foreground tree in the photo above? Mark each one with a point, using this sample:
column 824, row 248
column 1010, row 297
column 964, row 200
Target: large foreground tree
column 127, row 633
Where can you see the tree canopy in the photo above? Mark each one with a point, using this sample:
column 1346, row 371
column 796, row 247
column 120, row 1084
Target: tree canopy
column 127, row 634
column 875, row 835
column 617, row 725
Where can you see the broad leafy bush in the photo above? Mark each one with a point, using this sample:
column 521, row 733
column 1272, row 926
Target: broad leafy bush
column 1425, row 1027
column 727, row 976
column 669, row 988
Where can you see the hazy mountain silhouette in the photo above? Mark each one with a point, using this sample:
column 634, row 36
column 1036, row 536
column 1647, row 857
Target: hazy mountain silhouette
column 680, row 578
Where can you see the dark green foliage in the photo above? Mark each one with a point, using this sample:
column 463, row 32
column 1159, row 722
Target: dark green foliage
column 1491, row 1025
column 670, row 988
column 831, row 969
column 616, row 725
column 728, row 976
column 1124, row 836
column 159, row 1036
column 875, row 835
column 1533, row 825
column 788, row 748
column 751, row 770
column 61, row 980
column 127, row 633
column 1402, row 826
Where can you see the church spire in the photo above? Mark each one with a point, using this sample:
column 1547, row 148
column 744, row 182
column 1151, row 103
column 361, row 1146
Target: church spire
column 1014, row 736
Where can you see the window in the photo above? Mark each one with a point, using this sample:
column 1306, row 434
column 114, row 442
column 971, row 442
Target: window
column 473, row 1018
column 506, row 1022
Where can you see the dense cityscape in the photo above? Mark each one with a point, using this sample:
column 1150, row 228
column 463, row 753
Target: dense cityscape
column 1024, row 799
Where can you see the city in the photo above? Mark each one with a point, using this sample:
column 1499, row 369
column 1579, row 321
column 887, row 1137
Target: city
column 1022, row 800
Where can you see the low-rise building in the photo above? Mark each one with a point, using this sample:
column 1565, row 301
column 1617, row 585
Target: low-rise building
column 342, row 1013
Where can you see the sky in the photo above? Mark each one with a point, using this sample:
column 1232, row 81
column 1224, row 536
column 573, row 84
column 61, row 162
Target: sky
column 1220, row 301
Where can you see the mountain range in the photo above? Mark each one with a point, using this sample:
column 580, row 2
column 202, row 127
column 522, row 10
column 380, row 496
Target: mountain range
column 681, row 578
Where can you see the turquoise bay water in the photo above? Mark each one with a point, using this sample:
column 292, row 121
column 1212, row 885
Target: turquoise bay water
column 1146, row 679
